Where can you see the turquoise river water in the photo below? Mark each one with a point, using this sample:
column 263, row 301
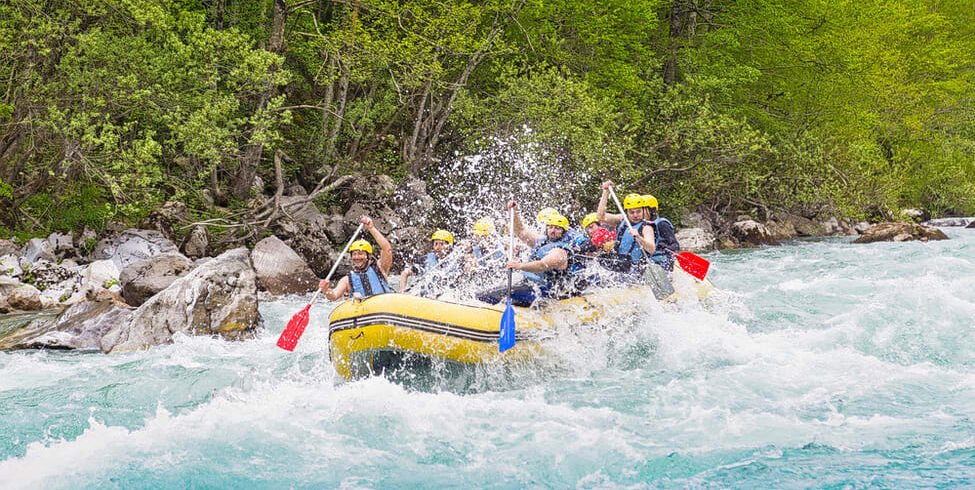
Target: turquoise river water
column 818, row 364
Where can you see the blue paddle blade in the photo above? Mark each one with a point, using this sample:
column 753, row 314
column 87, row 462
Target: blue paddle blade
column 507, row 339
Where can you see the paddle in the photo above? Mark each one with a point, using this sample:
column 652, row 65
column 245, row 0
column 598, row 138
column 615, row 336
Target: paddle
column 507, row 337
column 296, row 327
column 692, row 264
column 622, row 211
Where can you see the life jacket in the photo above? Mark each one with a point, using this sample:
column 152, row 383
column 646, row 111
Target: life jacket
column 493, row 254
column 626, row 245
column 369, row 282
column 430, row 261
column 555, row 278
column 664, row 253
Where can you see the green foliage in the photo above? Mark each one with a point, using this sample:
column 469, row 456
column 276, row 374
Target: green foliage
column 109, row 108
column 74, row 208
column 6, row 191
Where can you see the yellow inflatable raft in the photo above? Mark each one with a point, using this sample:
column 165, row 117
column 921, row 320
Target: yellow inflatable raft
column 364, row 332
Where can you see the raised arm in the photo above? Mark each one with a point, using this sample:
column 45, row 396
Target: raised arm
column 404, row 278
column 385, row 248
column 601, row 214
column 524, row 234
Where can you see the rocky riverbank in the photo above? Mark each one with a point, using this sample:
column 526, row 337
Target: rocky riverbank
column 137, row 287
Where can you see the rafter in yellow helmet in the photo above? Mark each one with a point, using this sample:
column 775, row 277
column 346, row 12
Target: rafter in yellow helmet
column 443, row 235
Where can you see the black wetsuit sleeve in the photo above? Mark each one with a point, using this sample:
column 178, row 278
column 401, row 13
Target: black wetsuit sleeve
column 668, row 239
column 587, row 247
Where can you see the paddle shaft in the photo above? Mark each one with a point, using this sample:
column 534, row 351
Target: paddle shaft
column 671, row 252
column 620, row 207
column 511, row 246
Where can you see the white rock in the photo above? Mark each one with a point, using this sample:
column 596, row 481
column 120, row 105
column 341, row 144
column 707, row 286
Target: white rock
column 60, row 242
column 202, row 302
column 38, row 249
column 695, row 239
column 10, row 266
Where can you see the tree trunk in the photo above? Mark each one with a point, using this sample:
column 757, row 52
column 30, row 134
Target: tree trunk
column 251, row 159
column 682, row 20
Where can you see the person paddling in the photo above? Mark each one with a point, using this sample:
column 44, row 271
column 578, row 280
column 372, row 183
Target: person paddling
column 441, row 243
column 549, row 267
column 632, row 244
column 485, row 250
column 666, row 244
column 368, row 276
column 596, row 237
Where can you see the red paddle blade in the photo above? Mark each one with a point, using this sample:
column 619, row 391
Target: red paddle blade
column 693, row 264
column 289, row 337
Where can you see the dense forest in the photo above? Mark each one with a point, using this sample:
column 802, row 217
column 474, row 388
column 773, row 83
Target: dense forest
column 111, row 107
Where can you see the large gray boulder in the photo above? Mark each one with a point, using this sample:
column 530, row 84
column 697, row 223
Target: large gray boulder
column 752, row 233
column 142, row 279
column 79, row 327
column 300, row 208
column 280, row 270
column 22, row 297
column 310, row 242
column 838, row 227
column 61, row 244
column 697, row 220
column 219, row 297
column 131, row 246
column 47, row 275
column 900, row 232
column 100, row 274
column 695, row 239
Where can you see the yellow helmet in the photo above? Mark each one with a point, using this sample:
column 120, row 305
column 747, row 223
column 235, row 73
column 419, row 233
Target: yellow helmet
column 649, row 201
column 558, row 220
column 360, row 245
column 590, row 219
column 443, row 235
column 544, row 214
column 633, row 201
column 483, row 227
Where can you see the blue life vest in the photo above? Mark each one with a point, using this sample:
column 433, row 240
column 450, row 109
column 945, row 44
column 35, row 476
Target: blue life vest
column 573, row 235
column 664, row 253
column 430, row 261
column 553, row 277
column 576, row 239
column 626, row 245
column 369, row 282
column 488, row 256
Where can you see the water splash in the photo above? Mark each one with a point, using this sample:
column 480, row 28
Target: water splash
column 819, row 363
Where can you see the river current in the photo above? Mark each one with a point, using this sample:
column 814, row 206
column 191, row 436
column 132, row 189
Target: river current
column 817, row 364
